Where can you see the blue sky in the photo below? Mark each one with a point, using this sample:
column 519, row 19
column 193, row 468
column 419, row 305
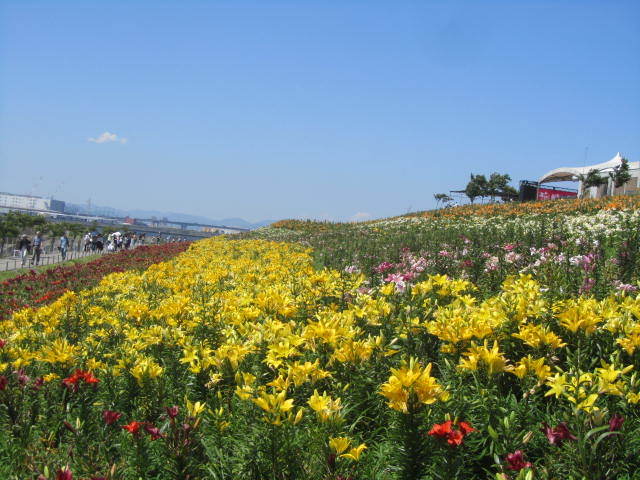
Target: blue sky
column 322, row 109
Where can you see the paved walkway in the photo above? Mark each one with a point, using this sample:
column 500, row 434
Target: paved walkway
column 15, row 263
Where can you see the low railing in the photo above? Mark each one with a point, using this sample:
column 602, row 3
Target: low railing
column 15, row 262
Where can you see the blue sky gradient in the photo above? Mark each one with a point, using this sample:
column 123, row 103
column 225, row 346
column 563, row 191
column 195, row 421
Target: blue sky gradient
column 307, row 108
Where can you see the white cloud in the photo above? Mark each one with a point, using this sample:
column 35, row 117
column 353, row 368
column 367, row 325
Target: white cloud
column 107, row 137
column 360, row 217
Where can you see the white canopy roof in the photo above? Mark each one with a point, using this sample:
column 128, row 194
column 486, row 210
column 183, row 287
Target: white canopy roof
column 565, row 174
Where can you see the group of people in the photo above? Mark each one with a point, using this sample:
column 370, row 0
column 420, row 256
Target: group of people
column 115, row 241
column 30, row 247
column 33, row 247
column 93, row 242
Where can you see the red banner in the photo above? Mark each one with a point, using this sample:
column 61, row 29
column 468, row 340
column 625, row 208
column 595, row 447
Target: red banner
column 552, row 194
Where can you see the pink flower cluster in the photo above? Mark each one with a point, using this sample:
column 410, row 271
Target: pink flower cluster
column 406, row 270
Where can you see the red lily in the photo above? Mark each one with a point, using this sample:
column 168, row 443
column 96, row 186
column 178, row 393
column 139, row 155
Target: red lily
column 454, row 437
column 172, row 411
column 557, row 434
column 72, row 381
column 64, row 474
column 615, row 423
column 465, row 428
column 110, row 417
column 133, row 427
column 516, row 461
column 441, row 430
column 153, row 431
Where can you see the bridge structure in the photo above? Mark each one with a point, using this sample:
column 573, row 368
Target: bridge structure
column 185, row 225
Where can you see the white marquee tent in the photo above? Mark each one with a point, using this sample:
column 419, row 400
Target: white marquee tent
column 570, row 174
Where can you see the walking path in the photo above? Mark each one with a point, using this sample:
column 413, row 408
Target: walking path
column 15, row 263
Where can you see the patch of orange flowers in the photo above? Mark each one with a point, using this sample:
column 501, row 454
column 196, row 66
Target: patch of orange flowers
column 79, row 376
column 579, row 205
column 560, row 206
column 453, row 436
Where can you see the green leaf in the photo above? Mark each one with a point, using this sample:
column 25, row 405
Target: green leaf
column 602, row 437
column 492, row 433
column 593, row 431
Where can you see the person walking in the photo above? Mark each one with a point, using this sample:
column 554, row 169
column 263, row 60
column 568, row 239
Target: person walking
column 24, row 245
column 37, row 249
column 64, row 245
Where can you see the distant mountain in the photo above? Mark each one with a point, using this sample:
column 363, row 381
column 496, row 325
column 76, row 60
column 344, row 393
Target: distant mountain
column 171, row 216
column 262, row 223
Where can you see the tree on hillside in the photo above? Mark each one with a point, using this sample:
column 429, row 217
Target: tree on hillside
column 442, row 197
column 620, row 174
column 477, row 187
column 497, row 184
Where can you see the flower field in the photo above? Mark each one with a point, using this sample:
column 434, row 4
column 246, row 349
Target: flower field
column 35, row 289
column 241, row 359
column 570, row 251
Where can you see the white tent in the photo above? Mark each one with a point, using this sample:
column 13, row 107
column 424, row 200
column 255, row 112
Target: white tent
column 567, row 174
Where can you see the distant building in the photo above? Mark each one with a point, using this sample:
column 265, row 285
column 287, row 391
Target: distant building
column 86, row 209
column 56, row 205
column 29, row 202
column 572, row 174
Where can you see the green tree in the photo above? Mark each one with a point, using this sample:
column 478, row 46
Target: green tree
column 477, row 187
column 14, row 223
column 8, row 230
column 497, row 184
column 24, row 221
column 591, row 179
column 620, row 174
column 442, row 197
column 509, row 193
